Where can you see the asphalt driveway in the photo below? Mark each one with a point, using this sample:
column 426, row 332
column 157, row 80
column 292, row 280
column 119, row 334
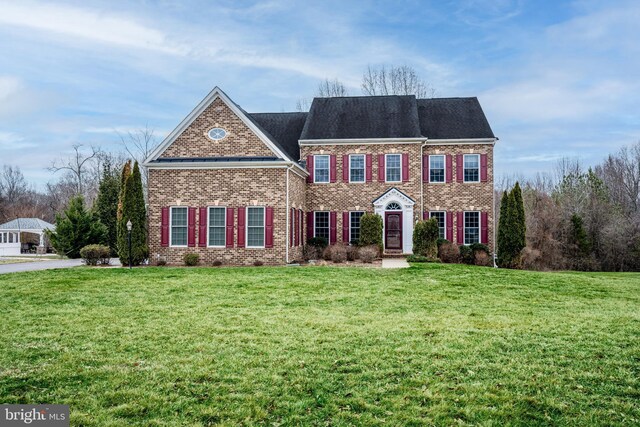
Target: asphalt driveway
column 45, row 264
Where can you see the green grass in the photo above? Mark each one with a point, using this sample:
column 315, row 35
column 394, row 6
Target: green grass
column 433, row 344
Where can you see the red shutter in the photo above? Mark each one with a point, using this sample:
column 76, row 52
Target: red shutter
column 191, row 230
column 332, row 227
column 241, row 226
column 425, row 215
column 299, row 233
column 483, row 167
column 405, row 167
column 449, row 168
column 268, row 227
column 425, row 168
column 229, row 227
column 310, row 225
column 202, row 228
column 460, row 228
column 296, row 228
column 459, row 168
column 345, row 168
column 332, row 168
column 292, row 225
column 345, row 227
column 164, row 227
column 449, row 226
column 484, row 228
column 381, row 167
column 310, row 168
column 369, row 162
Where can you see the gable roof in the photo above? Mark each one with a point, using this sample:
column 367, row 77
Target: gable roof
column 27, row 224
column 355, row 117
column 453, row 118
column 285, row 128
column 216, row 93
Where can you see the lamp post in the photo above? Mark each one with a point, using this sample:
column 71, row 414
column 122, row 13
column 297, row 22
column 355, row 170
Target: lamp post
column 129, row 226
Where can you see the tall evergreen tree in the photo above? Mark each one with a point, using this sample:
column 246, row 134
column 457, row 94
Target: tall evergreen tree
column 75, row 229
column 504, row 246
column 133, row 209
column 106, row 205
column 121, row 226
column 519, row 222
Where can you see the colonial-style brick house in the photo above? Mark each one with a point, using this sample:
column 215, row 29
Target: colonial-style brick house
column 240, row 187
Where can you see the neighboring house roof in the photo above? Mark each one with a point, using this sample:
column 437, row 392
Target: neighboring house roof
column 27, row 224
column 285, row 128
column 453, row 118
column 359, row 117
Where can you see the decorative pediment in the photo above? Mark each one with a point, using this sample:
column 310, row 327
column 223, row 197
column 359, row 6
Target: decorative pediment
column 393, row 195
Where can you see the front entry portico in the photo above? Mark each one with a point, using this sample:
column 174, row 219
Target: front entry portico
column 396, row 210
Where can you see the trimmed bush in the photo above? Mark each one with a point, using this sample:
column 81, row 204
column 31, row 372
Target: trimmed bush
column 338, row 253
column 311, row 252
column 417, row 258
column 216, row 263
column 95, row 254
column 482, row 259
column 466, row 255
column 326, row 253
column 191, row 259
column 425, row 238
column 368, row 253
column 449, row 253
column 161, row 262
column 318, row 242
column 258, row 263
column 371, row 230
column 352, row 252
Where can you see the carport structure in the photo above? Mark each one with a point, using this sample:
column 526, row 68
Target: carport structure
column 10, row 234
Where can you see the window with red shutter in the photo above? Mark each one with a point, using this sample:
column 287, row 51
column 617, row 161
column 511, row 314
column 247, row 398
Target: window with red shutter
column 345, row 168
column 484, row 228
column 449, row 168
column 483, row 168
column 425, row 168
column 369, row 162
column 332, row 168
column 345, row 227
column 191, row 234
column 450, row 226
column 229, row 229
column 310, row 168
column 460, row 228
column 202, row 227
column 332, row 228
column 405, row 167
column 381, row 176
column 268, row 229
column 459, row 168
column 164, row 226
column 310, row 224
column 241, row 226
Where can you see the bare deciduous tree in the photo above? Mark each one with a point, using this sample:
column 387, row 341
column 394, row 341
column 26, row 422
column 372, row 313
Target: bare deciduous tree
column 331, row 88
column 138, row 145
column 77, row 165
column 396, row 80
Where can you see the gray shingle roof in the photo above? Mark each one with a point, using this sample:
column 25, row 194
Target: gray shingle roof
column 27, row 224
column 453, row 118
column 285, row 128
column 353, row 117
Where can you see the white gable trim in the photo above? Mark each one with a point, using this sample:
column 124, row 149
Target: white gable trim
column 393, row 195
column 193, row 115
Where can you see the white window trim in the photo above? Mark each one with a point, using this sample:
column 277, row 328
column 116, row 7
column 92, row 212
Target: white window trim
column 171, row 227
column 328, row 222
column 315, row 169
column 444, row 158
column 386, row 166
column 364, row 169
column 264, row 228
column 464, row 227
column 209, row 226
column 351, row 213
column 464, row 156
column 445, row 220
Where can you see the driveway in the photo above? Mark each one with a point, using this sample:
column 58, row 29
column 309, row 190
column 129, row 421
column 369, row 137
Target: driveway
column 45, row 264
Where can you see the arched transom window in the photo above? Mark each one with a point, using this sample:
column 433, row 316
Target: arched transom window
column 393, row 206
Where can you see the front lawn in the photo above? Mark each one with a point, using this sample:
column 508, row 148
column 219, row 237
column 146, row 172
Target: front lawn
column 432, row 344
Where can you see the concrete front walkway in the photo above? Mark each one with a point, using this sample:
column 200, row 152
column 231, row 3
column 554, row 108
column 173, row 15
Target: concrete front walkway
column 394, row 263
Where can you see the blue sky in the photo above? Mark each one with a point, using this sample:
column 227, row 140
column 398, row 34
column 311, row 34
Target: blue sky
column 555, row 78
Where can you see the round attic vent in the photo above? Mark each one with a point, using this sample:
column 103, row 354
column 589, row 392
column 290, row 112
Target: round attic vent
column 217, row 134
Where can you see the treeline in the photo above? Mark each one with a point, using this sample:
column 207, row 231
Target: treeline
column 582, row 219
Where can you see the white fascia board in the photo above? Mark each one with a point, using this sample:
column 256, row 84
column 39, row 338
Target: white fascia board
column 354, row 141
column 191, row 117
column 464, row 141
column 228, row 165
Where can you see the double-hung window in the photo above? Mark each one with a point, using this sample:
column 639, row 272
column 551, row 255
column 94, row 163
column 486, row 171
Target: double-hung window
column 436, row 168
column 321, row 168
column 354, row 225
column 472, row 168
column 179, row 224
column 356, row 168
column 255, row 227
column 471, row 228
column 321, row 225
column 393, row 165
column 440, row 216
column 217, row 227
